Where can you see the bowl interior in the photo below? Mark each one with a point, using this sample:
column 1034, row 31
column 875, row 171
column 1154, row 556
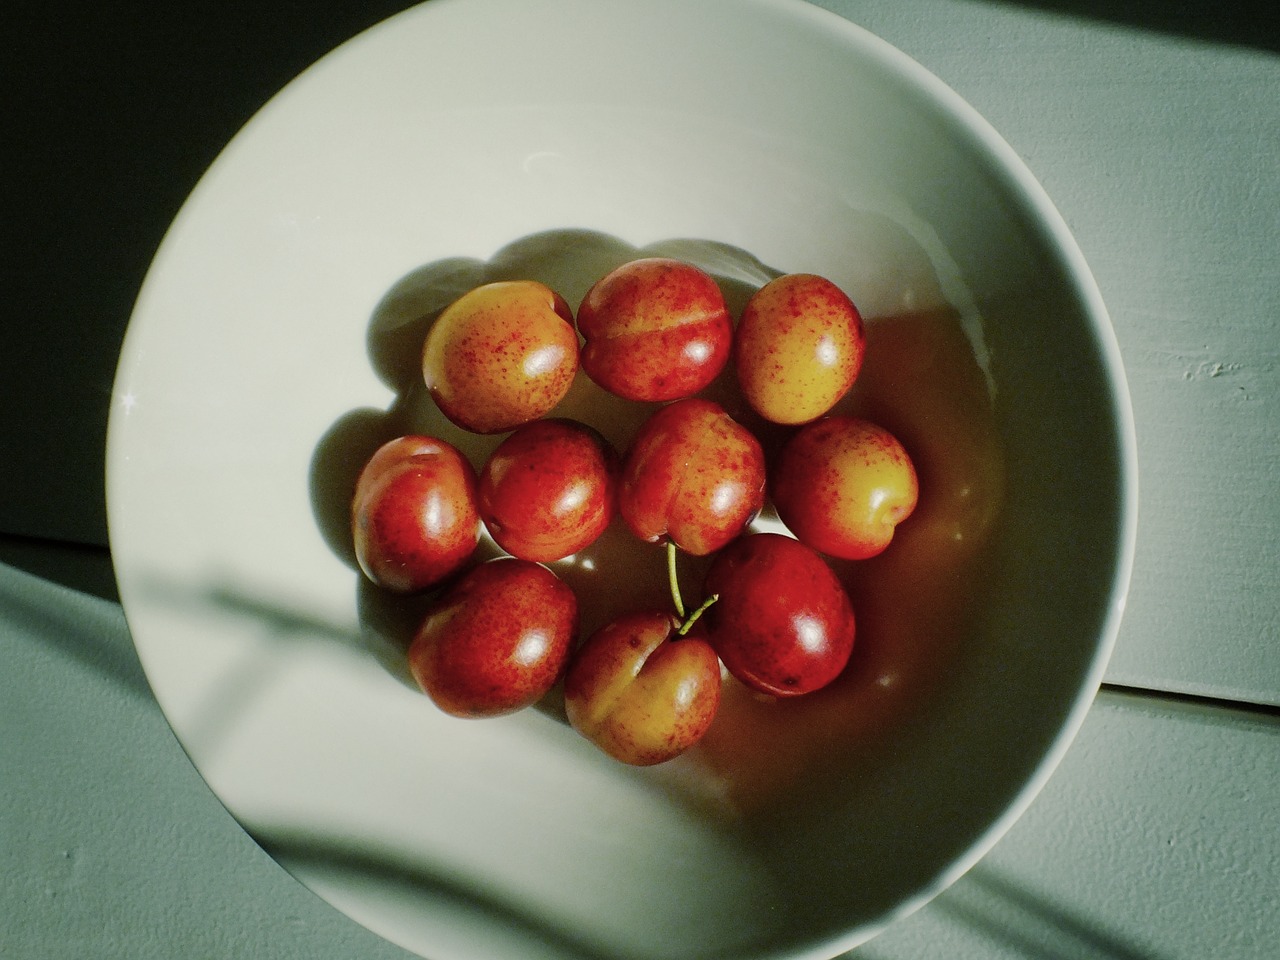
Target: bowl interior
column 274, row 343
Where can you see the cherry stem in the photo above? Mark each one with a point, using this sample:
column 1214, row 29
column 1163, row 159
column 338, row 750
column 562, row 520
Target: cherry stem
column 685, row 622
column 674, row 580
column 693, row 617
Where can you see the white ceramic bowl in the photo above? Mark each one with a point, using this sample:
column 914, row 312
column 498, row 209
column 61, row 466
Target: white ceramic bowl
column 470, row 139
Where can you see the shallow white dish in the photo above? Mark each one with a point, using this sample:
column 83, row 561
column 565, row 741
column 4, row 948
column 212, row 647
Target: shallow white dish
column 470, row 139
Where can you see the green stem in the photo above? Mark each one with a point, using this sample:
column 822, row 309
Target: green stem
column 685, row 622
column 693, row 617
column 673, row 580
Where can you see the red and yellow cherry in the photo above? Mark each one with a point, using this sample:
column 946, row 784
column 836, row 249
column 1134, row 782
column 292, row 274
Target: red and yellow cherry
column 501, row 355
column 414, row 516
column 842, row 485
column 549, row 489
column 640, row 691
column 496, row 640
column 798, row 348
column 693, row 475
column 654, row 329
column 782, row 623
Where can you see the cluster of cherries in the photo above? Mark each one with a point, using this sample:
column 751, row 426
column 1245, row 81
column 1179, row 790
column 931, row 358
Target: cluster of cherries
column 646, row 686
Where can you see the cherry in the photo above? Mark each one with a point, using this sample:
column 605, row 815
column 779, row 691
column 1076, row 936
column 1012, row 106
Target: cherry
column 495, row 641
column 655, row 329
column 549, row 489
column 640, row 690
column 693, row 475
column 842, row 485
column 646, row 686
column 414, row 519
column 501, row 355
column 798, row 348
column 783, row 624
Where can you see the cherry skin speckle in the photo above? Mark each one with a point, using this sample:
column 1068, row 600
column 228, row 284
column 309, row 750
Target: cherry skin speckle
column 783, row 624
column 842, row 485
column 549, row 489
column 798, row 348
column 414, row 515
column 654, row 329
column 495, row 641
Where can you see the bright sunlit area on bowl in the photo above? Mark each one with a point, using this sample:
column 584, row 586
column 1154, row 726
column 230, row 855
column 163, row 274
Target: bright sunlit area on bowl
column 276, row 341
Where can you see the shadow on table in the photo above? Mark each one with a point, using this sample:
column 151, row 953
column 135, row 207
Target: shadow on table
column 311, row 857
column 78, row 626
column 1252, row 23
column 984, row 901
column 1034, row 927
column 83, row 567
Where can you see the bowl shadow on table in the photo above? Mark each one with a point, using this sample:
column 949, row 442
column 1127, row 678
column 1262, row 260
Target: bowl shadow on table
column 1254, row 23
column 473, row 905
column 994, row 906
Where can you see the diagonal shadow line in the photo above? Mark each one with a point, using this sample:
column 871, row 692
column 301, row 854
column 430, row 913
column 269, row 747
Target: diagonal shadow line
column 278, row 627
column 1246, row 23
column 1255, row 710
column 83, row 567
column 1077, row 936
column 304, row 851
column 82, row 634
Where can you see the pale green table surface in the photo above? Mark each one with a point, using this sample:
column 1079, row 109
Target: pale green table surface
column 1156, row 130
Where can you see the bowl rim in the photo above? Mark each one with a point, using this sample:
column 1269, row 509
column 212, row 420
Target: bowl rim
column 1057, row 240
